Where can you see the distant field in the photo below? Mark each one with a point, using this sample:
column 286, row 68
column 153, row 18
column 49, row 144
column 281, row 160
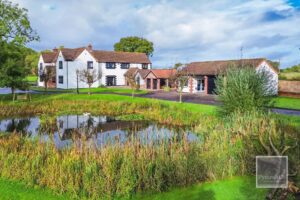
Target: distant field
column 293, row 76
column 31, row 78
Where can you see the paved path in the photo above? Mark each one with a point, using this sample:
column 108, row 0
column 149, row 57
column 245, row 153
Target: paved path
column 8, row 91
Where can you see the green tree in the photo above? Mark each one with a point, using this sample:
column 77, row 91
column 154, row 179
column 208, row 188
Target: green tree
column 31, row 61
column 12, row 72
column 134, row 44
column 14, row 24
column 242, row 89
column 177, row 65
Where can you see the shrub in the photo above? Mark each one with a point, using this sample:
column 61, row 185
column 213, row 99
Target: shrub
column 167, row 89
column 243, row 90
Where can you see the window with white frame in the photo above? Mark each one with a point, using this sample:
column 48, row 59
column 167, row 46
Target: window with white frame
column 60, row 79
column 60, row 64
column 90, row 64
column 144, row 65
column 110, row 65
column 125, row 65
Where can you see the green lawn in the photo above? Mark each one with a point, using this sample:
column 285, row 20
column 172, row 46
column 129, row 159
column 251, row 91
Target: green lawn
column 230, row 189
column 13, row 190
column 31, row 78
column 93, row 90
column 287, row 102
column 234, row 188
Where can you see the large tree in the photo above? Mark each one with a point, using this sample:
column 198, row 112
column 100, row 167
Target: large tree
column 134, row 44
column 12, row 71
column 15, row 32
column 14, row 24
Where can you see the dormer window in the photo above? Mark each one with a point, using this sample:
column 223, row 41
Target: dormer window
column 110, row 65
column 90, row 64
column 60, row 64
column 125, row 65
column 144, row 66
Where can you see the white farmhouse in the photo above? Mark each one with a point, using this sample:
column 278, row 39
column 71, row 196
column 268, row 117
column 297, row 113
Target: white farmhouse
column 110, row 64
column 202, row 75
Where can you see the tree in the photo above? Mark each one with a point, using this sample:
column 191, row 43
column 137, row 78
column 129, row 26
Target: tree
column 12, row 72
column 14, row 24
column 133, row 83
column 242, row 89
column 134, row 44
column 31, row 60
column 46, row 75
column 89, row 77
column 181, row 79
column 177, row 65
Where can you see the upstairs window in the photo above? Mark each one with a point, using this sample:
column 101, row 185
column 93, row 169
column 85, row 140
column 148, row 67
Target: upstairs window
column 110, row 65
column 145, row 66
column 90, row 64
column 125, row 65
column 60, row 64
column 41, row 66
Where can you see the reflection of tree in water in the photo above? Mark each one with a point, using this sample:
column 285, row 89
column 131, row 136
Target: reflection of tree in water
column 18, row 125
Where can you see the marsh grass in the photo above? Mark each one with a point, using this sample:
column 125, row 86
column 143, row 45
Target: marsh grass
column 114, row 171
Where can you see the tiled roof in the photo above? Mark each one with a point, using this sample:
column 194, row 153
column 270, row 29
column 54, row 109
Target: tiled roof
column 134, row 70
column 120, row 57
column 163, row 73
column 49, row 57
column 72, row 54
column 215, row 67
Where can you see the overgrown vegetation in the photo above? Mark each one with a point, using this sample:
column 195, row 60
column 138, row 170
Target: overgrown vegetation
column 242, row 89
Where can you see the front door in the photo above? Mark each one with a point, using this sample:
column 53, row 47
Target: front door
column 148, row 83
column 111, row 80
column 200, row 85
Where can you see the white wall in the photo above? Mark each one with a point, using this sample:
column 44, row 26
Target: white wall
column 273, row 77
column 41, row 60
column 80, row 63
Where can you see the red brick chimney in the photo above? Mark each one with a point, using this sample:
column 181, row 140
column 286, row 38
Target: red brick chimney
column 90, row 47
column 55, row 50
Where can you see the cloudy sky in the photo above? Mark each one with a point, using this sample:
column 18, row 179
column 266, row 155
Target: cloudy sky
column 182, row 31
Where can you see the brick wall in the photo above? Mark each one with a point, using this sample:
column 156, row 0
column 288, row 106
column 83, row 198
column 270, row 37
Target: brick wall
column 289, row 87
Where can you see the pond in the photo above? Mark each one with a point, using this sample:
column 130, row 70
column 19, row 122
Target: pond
column 96, row 130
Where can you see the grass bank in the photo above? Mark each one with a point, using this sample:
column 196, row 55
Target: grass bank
column 15, row 190
column 287, row 102
column 242, row 188
column 93, row 90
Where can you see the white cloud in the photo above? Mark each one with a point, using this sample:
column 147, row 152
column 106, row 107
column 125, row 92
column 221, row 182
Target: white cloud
column 181, row 30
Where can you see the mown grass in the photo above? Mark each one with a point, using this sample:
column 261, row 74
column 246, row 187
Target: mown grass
column 242, row 188
column 287, row 102
column 290, row 76
column 15, row 190
column 31, row 78
column 93, row 90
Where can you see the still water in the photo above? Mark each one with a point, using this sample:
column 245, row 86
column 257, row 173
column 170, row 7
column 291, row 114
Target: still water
column 97, row 130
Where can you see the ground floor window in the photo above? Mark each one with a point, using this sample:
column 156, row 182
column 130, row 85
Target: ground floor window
column 111, row 80
column 60, row 79
column 200, row 85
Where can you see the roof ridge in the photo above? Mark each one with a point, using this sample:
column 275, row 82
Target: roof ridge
column 228, row 60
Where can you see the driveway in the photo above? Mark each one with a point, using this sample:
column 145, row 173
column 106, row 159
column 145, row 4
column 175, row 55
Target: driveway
column 186, row 97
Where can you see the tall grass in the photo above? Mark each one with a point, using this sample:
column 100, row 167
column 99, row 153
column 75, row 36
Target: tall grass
column 116, row 171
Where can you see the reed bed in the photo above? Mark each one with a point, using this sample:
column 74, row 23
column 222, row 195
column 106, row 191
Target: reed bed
column 114, row 171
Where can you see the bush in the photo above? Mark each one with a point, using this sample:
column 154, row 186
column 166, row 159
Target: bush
column 167, row 89
column 243, row 90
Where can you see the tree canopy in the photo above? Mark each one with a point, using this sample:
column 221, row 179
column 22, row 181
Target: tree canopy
column 14, row 24
column 134, row 44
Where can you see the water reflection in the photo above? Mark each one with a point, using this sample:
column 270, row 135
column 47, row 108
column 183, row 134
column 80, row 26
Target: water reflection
column 97, row 130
